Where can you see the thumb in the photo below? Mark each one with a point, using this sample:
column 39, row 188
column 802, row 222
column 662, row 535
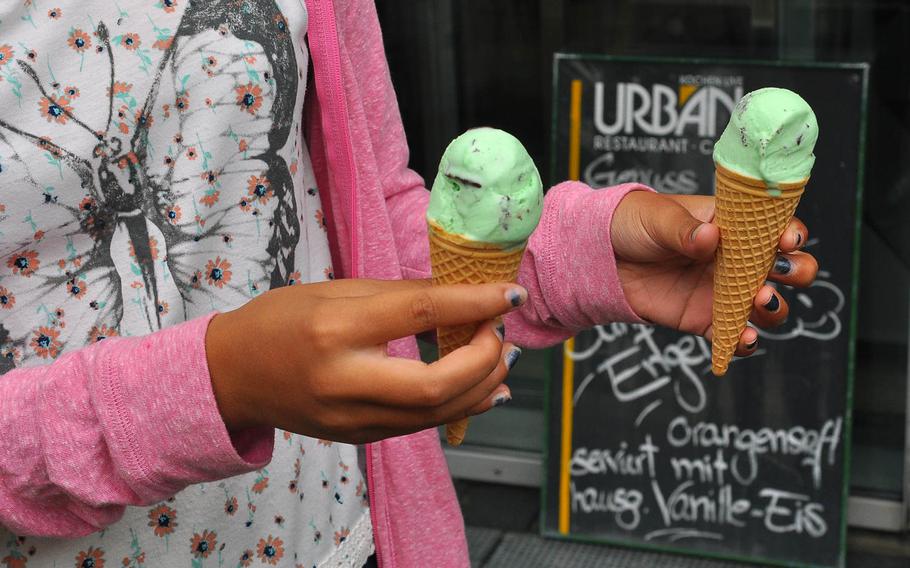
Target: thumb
column 673, row 228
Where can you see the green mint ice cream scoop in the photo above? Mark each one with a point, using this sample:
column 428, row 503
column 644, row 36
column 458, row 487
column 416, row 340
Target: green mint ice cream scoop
column 487, row 190
column 771, row 136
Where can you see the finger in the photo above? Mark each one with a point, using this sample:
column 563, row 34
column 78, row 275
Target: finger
column 794, row 236
column 699, row 206
column 486, row 394
column 400, row 313
column 673, row 227
column 413, row 384
column 769, row 308
column 501, row 395
column 355, row 287
column 794, row 269
column 748, row 342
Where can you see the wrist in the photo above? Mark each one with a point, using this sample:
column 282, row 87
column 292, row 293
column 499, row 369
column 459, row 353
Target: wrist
column 226, row 373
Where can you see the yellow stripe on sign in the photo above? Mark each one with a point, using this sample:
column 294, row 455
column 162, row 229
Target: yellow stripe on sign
column 575, row 131
column 568, row 365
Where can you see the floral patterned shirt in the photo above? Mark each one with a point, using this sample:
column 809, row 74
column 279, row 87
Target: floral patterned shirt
column 152, row 169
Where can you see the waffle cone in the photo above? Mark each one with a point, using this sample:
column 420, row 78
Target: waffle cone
column 751, row 222
column 456, row 260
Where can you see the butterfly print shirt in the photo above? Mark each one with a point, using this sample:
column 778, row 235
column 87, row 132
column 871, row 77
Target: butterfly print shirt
column 152, row 170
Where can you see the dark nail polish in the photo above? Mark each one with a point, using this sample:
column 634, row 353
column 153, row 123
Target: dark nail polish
column 773, row 304
column 500, row 400
column 782, row 265
column 512, row 357
column 751, row 346
column 501, row 331
column 514, row 297
column 799, row 238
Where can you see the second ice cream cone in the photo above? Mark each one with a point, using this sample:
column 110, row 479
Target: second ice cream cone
column 751, row 217
column 456, row 260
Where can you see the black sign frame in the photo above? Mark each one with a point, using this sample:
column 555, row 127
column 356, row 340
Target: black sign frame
column 550, row 524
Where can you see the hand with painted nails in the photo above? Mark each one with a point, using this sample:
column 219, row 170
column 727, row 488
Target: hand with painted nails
column 664, row 246
column 320, row 366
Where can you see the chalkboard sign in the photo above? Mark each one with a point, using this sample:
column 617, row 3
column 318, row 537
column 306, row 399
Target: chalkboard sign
column 645, row 446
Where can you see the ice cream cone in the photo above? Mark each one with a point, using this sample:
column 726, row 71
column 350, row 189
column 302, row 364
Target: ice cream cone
column 751, row 218
column 456, row 260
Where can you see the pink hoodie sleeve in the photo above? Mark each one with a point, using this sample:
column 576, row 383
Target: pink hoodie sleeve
column 127, row 421
column 569, row 267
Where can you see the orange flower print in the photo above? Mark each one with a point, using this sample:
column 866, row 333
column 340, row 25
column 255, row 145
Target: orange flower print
column 144, row 119
column 260, row 188
column 54, row 13
column 243, row 145
column 163, row 519
column 163, row 308
column 153, row 248
column 249, row 97
column 294, row 278
column 230, row 506
column 72, row 92
column 6, row 54
column 163, row 43
column 76, row 288
column 15, row 560
column 47, row 145
column 246, row 558
column 12, row 355
column 245, row 205
column 293, row 167
column 79, row 40
column 341, row 536
column 183, row 101
column 119, row 88
column 130, row 41
column 191, row 153
column 281, row 23
column 270, row 551
column 44, row 342
column 260, row 484
column 326, row 443
column 210, row 197
column 87, row 204
column 91, row 558
column 320, row 219
column 209, row 177
column 217, row 274
column 202, row 545
column 7, row 299
column 196, row 280
column 55, row 109
column 329, row 273
column 101, row 332
column 24, row 263
column 168, row 5
column 173, row 214
column 292, row 486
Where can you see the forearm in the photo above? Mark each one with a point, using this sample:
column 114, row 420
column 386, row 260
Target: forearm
column 124, row 422
column 569, row 267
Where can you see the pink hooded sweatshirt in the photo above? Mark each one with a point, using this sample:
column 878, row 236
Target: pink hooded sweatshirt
column 101, row 404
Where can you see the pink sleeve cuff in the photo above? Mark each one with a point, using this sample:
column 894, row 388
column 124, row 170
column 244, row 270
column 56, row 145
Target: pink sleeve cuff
column 569, row 267
column 155, row 399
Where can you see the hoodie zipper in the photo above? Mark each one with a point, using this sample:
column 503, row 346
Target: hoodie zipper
column 324, row 12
